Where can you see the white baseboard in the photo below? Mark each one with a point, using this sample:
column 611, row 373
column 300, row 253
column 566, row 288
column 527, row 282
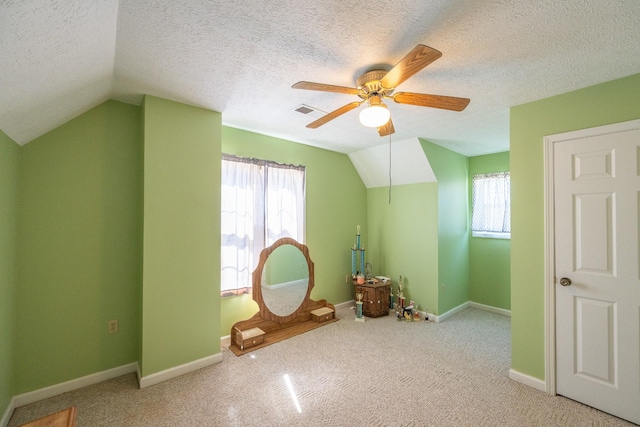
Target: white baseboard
column 4, row 421
column 443, row 316
column 491, row 308
column 346, row 304
column 455, row 310
column 176, row 371
column 528, row 380
column 56, row 389
column 225, row 341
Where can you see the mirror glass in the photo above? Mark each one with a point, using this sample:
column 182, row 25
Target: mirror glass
column 285, row 279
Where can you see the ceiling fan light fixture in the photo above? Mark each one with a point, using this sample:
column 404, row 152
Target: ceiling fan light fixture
column 375, row 115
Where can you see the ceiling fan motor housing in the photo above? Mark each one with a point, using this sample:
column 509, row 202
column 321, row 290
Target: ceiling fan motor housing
column 369, row 84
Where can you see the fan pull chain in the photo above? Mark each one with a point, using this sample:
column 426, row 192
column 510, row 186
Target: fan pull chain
column 389, row 168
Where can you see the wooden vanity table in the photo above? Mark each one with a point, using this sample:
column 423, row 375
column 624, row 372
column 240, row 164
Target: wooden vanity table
column 282, row 283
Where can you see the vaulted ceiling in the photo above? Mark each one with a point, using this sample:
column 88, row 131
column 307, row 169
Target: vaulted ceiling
column 60, row 58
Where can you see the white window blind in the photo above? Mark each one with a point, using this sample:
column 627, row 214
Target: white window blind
column 491, row 208
column 261, row 202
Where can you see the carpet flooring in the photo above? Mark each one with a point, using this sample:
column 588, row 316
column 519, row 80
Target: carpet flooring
column 381, row 372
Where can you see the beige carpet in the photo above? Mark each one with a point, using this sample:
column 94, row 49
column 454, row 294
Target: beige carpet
column 378, row 373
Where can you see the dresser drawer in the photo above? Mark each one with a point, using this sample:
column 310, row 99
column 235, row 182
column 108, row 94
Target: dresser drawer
column 322, row 314
column 249, row 338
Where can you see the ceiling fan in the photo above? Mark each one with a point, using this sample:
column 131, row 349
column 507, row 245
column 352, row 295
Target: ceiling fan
column 375, row 85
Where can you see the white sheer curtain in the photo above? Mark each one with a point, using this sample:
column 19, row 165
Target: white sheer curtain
column 261, row 202
column 242, row 223
column 491, row 203
column 285, row 204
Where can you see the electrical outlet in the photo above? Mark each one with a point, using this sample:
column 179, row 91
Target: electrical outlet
column 112, row 327
column 346, row 278
column 442, row 288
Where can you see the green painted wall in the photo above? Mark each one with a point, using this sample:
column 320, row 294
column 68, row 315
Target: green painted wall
column 79, row 248
column 181, row 235
column 489, row 259
column 403, row 239
column 452, row 172
column 336, row 203
column 9, row 173
column 607, row 103
column 423, row 234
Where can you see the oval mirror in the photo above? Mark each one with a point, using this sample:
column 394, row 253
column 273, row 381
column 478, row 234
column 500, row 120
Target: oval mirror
column 285, row 280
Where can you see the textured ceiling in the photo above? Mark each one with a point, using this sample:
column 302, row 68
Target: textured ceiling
column 60, row 58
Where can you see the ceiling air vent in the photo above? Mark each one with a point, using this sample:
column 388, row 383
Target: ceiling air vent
column 310, row 111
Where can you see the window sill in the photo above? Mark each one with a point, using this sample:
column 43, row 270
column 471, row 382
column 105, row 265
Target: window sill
column 235, row 293
column 485, row 235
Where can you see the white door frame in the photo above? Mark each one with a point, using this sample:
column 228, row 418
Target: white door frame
column 549, row 239
column 549, row 268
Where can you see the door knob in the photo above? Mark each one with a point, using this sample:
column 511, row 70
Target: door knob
column 565, row 281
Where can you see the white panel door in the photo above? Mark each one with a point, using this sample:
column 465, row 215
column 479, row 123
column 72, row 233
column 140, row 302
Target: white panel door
column 596, row 187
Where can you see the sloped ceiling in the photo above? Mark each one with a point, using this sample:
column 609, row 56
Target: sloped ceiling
column 400, row 163
column 60, row 58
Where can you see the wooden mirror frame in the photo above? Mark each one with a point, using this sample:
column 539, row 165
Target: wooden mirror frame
column 257, row 281
column 277, row 328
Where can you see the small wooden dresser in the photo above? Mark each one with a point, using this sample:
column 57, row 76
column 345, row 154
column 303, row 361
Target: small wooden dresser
column 375, row 298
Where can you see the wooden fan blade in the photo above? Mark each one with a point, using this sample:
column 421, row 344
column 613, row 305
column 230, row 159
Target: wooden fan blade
column 332, row 115
column 414, row 61
column 325, row 88
column 386, row 129
column 435, row 101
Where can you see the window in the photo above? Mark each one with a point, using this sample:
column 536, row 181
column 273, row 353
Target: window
column 491, row 210
column 261, row 201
